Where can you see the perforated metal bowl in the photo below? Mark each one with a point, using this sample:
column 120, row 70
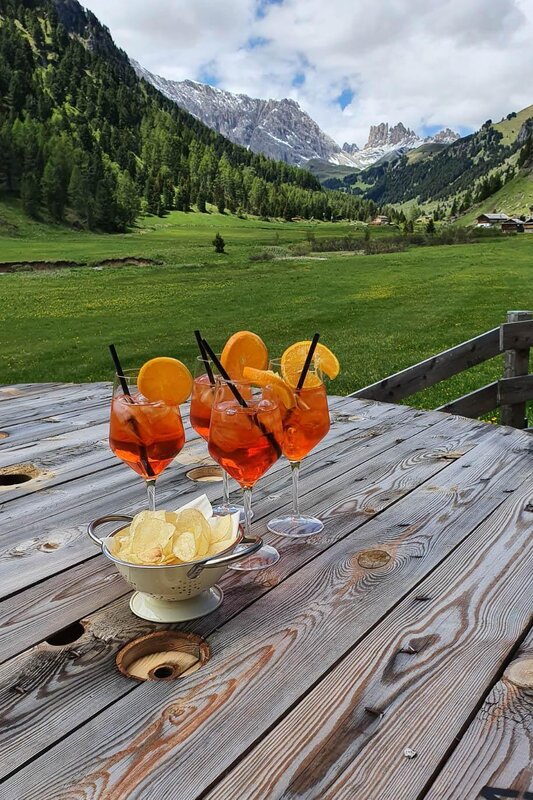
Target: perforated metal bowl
column 178, row 581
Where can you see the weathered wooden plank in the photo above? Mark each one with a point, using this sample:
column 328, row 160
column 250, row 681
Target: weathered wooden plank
column 516, row 335
column 516, row 362
column 64, row 400
column 411, row 684
column 515, row 391
column 475, row 403
column 435, row 369
column 389, row 473
column 61, row 514
column 344, row 511
column 302, row 628
column 497, row 749
column 33, row 615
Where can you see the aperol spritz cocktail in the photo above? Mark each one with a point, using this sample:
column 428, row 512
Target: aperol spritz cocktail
column 146, row 435
column 305, row 423
column 245, row 439
column 202, row 398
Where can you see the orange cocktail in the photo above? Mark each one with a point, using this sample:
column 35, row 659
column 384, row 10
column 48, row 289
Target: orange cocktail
column 201, row 404
column 306, row 424
column 305, row 419
column 245, row 439
column 146, row 436
column 145, row 426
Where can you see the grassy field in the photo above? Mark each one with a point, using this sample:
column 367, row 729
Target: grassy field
column 379, row 313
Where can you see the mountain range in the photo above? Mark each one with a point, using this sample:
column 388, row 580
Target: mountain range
column 280, row 129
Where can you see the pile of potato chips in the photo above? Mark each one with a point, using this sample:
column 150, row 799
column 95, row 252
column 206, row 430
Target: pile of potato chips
column 175, row 537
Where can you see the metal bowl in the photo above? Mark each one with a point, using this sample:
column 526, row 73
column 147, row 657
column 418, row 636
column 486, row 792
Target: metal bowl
column 176, row 581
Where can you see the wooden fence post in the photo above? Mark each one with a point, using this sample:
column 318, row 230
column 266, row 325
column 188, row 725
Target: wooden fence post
column 516, row 362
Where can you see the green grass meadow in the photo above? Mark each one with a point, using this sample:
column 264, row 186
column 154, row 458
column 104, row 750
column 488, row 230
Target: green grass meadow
column 379, row 313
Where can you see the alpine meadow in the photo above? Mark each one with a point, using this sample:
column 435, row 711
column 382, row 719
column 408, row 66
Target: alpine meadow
column 132, row 207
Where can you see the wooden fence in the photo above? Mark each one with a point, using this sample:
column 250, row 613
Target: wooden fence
column 513, row 339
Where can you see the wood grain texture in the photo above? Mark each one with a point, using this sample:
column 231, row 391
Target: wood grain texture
column 302, row 628
column 412, row 683
column 435, row 369
column 516, row 363
column 374, row 486
column 497, row 748
column 60, row 515
column 475, row 403
column 516, row 334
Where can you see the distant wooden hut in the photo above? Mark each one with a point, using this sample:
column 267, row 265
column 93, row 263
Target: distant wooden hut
column 490, row 220
column 513, row 225
column 528, row 225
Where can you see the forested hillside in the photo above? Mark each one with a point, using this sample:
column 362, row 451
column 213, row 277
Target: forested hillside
column 84, row 140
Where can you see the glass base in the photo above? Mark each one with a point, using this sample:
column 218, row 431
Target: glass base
column 222, row 510
column 295, row 527
column 265, row 557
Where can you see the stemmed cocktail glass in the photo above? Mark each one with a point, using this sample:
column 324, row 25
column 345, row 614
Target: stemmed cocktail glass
column 147, row 436
column 202, row 397
column 244, row 438
column 304, row 426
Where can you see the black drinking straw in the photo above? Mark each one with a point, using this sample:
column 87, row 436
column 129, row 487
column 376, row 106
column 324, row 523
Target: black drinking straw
column 224, row 374
column 270, row 436
column 205, row 357
column 119, row 371
column 307, row 363
column 126, row 389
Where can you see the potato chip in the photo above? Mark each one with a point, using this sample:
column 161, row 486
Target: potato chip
column 184, row 546
column 152, row 556
column 150, row 533
column 221, row 528
column 218, row 547
column 193, row 521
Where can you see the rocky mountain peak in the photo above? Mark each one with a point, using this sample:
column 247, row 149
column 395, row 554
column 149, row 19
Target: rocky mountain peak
column 382, row 135
column 350, row 148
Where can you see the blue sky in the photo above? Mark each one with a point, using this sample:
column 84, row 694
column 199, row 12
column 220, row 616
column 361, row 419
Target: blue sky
column 348, row 63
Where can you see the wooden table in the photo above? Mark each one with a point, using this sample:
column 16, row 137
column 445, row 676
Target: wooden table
column 390, row 657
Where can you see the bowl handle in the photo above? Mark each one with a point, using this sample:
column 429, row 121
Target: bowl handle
column 102, row 521
column 252, row 545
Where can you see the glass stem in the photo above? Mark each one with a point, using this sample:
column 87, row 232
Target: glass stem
column 247, row 495
column 295, row 472
column 225, row 488
column 150, row 488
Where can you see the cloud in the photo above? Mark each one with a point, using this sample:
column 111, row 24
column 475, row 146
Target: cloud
column 349, row 63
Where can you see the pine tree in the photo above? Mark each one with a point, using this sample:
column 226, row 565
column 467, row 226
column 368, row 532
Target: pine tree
column 54, row 188
column 30, row 194
column 219, row 243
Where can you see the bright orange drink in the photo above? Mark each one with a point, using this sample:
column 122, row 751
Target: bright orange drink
column 305, row 425
column 146, row 436
column 202, row 398
column 245, row 441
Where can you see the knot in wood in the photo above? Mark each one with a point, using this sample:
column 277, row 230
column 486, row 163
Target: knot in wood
column 373, row 559
column 521, row 673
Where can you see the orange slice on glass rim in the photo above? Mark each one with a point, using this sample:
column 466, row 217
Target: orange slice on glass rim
column 165, row 380
column 243, row 349
column 264, row 378
column 293, row 360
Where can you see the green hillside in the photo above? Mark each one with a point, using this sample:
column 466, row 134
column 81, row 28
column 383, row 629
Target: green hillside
column 514, row 199
column 84, row 141
column 511, row 126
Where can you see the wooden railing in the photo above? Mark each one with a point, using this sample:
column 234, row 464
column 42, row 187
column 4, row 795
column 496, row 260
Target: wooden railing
column 513, row 339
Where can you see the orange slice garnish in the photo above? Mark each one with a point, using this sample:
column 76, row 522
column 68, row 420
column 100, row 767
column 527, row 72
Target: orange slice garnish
column 165, row 380
column 293, row 360
column 243, row 349
column 264, row 378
